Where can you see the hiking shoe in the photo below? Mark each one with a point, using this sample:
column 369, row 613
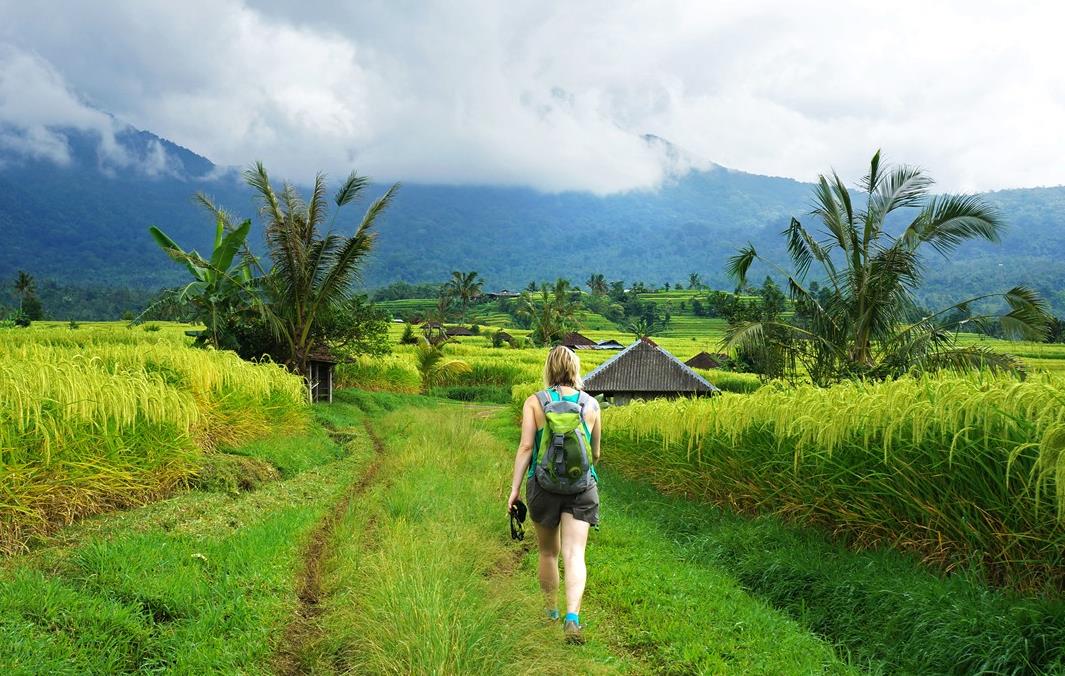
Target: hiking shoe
column 573, row 632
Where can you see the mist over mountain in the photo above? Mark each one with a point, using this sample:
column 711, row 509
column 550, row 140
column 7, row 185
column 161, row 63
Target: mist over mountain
column 84, row 222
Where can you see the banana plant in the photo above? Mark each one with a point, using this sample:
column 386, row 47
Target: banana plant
column 222, row 284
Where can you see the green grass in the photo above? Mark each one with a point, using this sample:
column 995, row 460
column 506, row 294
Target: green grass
column 883, row 609
column 203, row 582
column 424, row 579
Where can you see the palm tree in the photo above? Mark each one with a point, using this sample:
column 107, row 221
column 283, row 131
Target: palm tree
column 433, row 367
column 465, row 286
column 24, row 286
column 551, row 312
column 311, row 270
column 597, row 285
column 694, row 282
column 871, row 274
column 438, row 316
column 643, row 327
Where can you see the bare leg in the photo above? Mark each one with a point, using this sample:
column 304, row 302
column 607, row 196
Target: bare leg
column 574, row 539
column 548, row 541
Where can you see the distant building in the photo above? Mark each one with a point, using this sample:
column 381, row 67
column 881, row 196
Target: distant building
column 453, row 331
column 705, row 360
column 576, row 341
column 608, row 345
column 644, row 370
column 502, row 293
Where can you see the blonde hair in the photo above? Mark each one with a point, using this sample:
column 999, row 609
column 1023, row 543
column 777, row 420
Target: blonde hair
column 563, row 367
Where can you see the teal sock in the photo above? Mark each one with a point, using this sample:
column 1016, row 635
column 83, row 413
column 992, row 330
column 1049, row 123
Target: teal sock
column 571, row 617
column 552, row 614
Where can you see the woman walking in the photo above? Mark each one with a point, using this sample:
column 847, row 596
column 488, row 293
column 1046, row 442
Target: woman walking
column 561, row 490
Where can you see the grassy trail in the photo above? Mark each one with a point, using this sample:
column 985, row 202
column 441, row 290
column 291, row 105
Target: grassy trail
column 203, row 582
column 423, row 578
column 383, row 548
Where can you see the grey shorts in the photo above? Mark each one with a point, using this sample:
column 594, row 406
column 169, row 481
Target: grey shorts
column 545, row 507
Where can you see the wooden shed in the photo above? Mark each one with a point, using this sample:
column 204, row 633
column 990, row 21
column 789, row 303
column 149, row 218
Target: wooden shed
column 644, row 370
column 319, row 375
column 705, row 360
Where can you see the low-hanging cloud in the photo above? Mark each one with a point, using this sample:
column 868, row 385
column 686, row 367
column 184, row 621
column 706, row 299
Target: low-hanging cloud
column 557, row 96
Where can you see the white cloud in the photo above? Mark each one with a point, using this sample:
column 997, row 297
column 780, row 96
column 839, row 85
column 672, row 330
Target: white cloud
column 557, row 95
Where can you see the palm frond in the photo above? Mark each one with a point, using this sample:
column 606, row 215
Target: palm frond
column 257, row 178
column 949, row 220
column 350, row 189
column 1029, row 316
column 739, row 264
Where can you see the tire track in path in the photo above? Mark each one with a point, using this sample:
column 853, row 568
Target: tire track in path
column 303, row 629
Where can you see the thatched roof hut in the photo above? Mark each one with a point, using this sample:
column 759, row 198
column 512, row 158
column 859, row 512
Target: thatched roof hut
column 576, row 341
column 705, row 360
column 644, row 370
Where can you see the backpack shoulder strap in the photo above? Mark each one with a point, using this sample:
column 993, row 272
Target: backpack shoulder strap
column 544, row 398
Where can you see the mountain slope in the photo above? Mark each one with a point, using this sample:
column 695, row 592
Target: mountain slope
column 86, row 223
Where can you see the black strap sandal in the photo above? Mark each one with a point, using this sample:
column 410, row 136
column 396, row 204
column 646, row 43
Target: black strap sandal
column 518, row 512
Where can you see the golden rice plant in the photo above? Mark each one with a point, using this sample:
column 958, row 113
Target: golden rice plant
column 107, row 420
column 961, row 468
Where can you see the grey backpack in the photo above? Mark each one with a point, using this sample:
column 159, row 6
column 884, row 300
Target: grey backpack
column 563, row 459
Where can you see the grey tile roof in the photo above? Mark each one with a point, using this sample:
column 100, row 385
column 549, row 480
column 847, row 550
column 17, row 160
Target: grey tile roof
column 645, row 367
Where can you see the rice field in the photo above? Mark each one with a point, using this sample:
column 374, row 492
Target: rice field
column 962, row 469
column 104, row 416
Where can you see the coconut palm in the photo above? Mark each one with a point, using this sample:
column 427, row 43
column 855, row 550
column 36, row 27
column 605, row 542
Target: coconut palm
column 313, row 266
column 597, row 285
column 434, row 367
column 438, row 315
column 642, row 327
column 551, row 312
column 24, row 286
column 866, row 327
column 465, row 286
column 694, row 281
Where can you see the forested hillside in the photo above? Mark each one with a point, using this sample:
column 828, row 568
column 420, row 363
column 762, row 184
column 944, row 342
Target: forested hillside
column 85, row 224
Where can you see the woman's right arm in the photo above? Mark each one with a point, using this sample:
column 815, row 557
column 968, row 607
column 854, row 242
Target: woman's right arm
column 525, row 447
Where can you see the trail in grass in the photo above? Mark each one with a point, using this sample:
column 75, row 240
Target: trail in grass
column 303, row 628
column 201, row 583
column 424, row 577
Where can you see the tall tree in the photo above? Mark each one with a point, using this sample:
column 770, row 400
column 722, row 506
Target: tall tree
column 551, row 312
column 694, row 281
column 597, row 285
column 863, row 329
column 313, row 266
column 465, row 286
column 24, row 286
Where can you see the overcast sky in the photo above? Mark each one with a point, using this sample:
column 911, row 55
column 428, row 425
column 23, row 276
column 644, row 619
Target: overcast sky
column 552, row 95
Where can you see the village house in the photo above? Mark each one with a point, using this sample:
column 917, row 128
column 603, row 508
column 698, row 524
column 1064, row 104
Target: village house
column 644, row 370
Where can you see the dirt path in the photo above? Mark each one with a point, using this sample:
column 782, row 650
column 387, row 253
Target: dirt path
column 304, row 629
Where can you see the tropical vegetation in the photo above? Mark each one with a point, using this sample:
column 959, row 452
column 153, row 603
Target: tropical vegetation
column 866, row 325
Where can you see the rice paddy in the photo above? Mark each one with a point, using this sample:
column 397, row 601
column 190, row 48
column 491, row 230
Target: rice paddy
column 102, row 417
column 913, row 497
